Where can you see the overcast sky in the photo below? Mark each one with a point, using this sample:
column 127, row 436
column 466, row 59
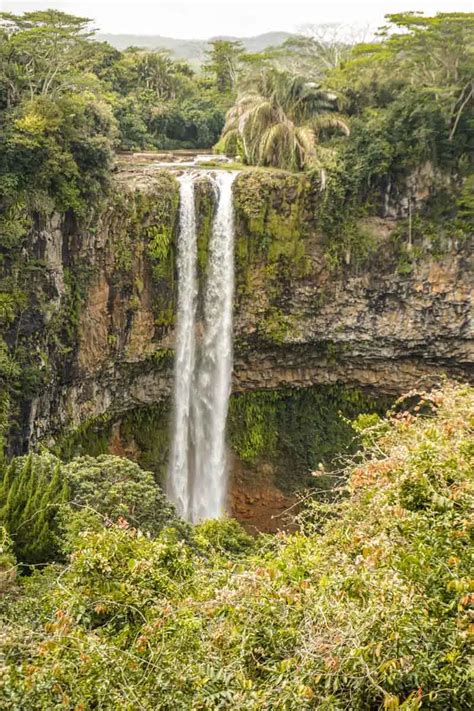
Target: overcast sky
column 196, row 19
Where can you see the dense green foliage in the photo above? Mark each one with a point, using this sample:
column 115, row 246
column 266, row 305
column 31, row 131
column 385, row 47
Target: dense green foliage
column 7, row 560
column 298, row 431
column 155, row 101
column 411, row 89
column 366, row 606
column 159, row 102
column 32, row 489
column 42, row 501
column 58, row 131
column 409, row 98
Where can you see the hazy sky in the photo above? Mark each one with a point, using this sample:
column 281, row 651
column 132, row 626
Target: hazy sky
column 196, row 19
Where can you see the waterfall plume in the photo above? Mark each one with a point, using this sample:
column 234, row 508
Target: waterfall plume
column 178, row 488
column 197, row 477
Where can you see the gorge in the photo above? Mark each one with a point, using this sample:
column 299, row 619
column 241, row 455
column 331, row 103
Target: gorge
column 304, row 326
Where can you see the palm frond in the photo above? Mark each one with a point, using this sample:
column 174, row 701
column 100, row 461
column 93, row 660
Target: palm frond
column 306, row 146
column 273, row 145
column 324, row 121
column 229, row 142
column 259, row 117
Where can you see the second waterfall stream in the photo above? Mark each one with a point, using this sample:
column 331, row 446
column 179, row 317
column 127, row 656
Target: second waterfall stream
column 197, row 476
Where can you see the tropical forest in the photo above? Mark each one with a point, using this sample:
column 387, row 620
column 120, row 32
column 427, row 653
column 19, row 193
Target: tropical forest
column 236, row 357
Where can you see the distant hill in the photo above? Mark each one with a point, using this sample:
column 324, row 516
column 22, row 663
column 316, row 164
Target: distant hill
column 192, row 50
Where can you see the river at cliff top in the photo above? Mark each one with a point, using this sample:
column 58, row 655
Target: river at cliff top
column 176, row 159
column 198, row 161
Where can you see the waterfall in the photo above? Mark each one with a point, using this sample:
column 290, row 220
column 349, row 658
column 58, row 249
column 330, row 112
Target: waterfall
column 197, row 478
column 185, row 358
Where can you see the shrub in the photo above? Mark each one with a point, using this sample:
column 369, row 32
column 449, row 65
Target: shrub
column 224, row 536
column 32, row 488
column 116, row 487
column 368, row 606
column 7, row 560
column 44, row 503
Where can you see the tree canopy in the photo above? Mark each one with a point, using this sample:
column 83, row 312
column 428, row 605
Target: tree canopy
column 277, row 118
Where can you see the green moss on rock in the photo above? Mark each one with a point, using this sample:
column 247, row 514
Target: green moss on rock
column 296, row 430
column 273, row 222
column 270, row 225
column 293, row 430
column 205, row 204
column 142, row 226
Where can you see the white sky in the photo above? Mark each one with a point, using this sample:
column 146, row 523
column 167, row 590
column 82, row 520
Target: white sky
column 200, row 20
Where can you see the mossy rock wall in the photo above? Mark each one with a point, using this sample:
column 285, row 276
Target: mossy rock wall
column 290, row 431
column 114, row 295
column 274, row 216
column 102, row 320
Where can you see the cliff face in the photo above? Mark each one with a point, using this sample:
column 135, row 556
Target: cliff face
column 383, row 319
column 375, row 328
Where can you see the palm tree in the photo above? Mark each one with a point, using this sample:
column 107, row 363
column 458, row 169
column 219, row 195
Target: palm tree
column 277, row 121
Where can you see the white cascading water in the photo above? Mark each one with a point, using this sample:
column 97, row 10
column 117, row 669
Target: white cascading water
column 197, row 480
column 178, row 488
